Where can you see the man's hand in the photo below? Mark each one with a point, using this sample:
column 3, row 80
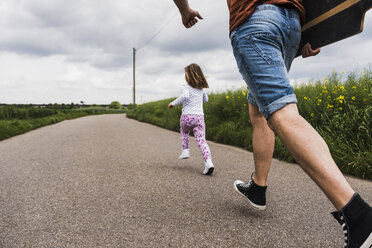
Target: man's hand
column 189, row 16
column 307, row 51
column 170, row 105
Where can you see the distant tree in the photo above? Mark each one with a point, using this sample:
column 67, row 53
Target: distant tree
column 115, row 105
column 130, row 106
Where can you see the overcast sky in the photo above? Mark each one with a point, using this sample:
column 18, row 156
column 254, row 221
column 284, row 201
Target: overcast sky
column 54, row 51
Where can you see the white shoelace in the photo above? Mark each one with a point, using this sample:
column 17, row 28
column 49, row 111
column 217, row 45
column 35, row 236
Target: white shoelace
column 247, row 185
column 344, row 228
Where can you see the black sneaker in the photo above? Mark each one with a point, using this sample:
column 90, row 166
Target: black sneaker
column 356, row 221
column 255, row 194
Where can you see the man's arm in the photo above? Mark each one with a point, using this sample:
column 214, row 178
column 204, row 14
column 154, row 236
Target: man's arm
column 189, row 16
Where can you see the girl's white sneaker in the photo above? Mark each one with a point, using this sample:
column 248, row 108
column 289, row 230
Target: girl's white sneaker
column 185, row 154
column 208, row 167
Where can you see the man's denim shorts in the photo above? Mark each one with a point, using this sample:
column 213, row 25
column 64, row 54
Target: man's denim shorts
column 264, row 47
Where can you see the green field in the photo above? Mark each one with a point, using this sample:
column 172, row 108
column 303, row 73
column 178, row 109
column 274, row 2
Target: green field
column 339, row 107
column 19, row 119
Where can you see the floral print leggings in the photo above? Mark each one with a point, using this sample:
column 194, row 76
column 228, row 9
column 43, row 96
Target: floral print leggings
column 196, row 123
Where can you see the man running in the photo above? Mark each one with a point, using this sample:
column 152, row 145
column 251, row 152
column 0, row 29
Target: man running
column 265, row 36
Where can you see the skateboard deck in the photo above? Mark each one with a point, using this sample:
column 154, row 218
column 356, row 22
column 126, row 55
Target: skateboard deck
column 329, row 21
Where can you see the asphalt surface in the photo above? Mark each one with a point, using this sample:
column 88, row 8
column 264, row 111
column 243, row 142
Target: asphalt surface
column 108, row 181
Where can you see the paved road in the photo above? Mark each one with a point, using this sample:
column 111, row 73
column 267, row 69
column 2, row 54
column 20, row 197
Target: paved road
column 108, row 181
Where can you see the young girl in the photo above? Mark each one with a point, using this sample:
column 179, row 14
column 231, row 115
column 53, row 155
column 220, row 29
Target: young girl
column 192, row 98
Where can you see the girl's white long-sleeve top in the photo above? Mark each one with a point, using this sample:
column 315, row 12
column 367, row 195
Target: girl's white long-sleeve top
column 192, row 100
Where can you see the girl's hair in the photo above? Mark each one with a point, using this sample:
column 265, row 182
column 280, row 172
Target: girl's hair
column 195, row 77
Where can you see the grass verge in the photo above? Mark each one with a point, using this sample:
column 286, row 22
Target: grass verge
column 15, row 120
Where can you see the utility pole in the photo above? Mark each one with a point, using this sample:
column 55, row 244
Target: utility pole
column 134, row 77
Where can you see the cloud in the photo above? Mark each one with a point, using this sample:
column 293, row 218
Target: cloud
column 80, row 30
column 68, row 51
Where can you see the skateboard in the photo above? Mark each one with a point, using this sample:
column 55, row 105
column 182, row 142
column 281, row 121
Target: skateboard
column 329, row 21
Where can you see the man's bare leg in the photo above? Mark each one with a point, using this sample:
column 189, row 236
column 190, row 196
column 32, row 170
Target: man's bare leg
column 312, row 153
column 263, row 141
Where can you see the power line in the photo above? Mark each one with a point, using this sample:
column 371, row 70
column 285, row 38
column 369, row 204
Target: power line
column 134, row 56
column 158, row 32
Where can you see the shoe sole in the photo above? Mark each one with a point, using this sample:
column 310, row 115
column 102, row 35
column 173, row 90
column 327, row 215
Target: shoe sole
column 257, row 207
column 209, row 172
column 183, row 158
column 368, row 242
